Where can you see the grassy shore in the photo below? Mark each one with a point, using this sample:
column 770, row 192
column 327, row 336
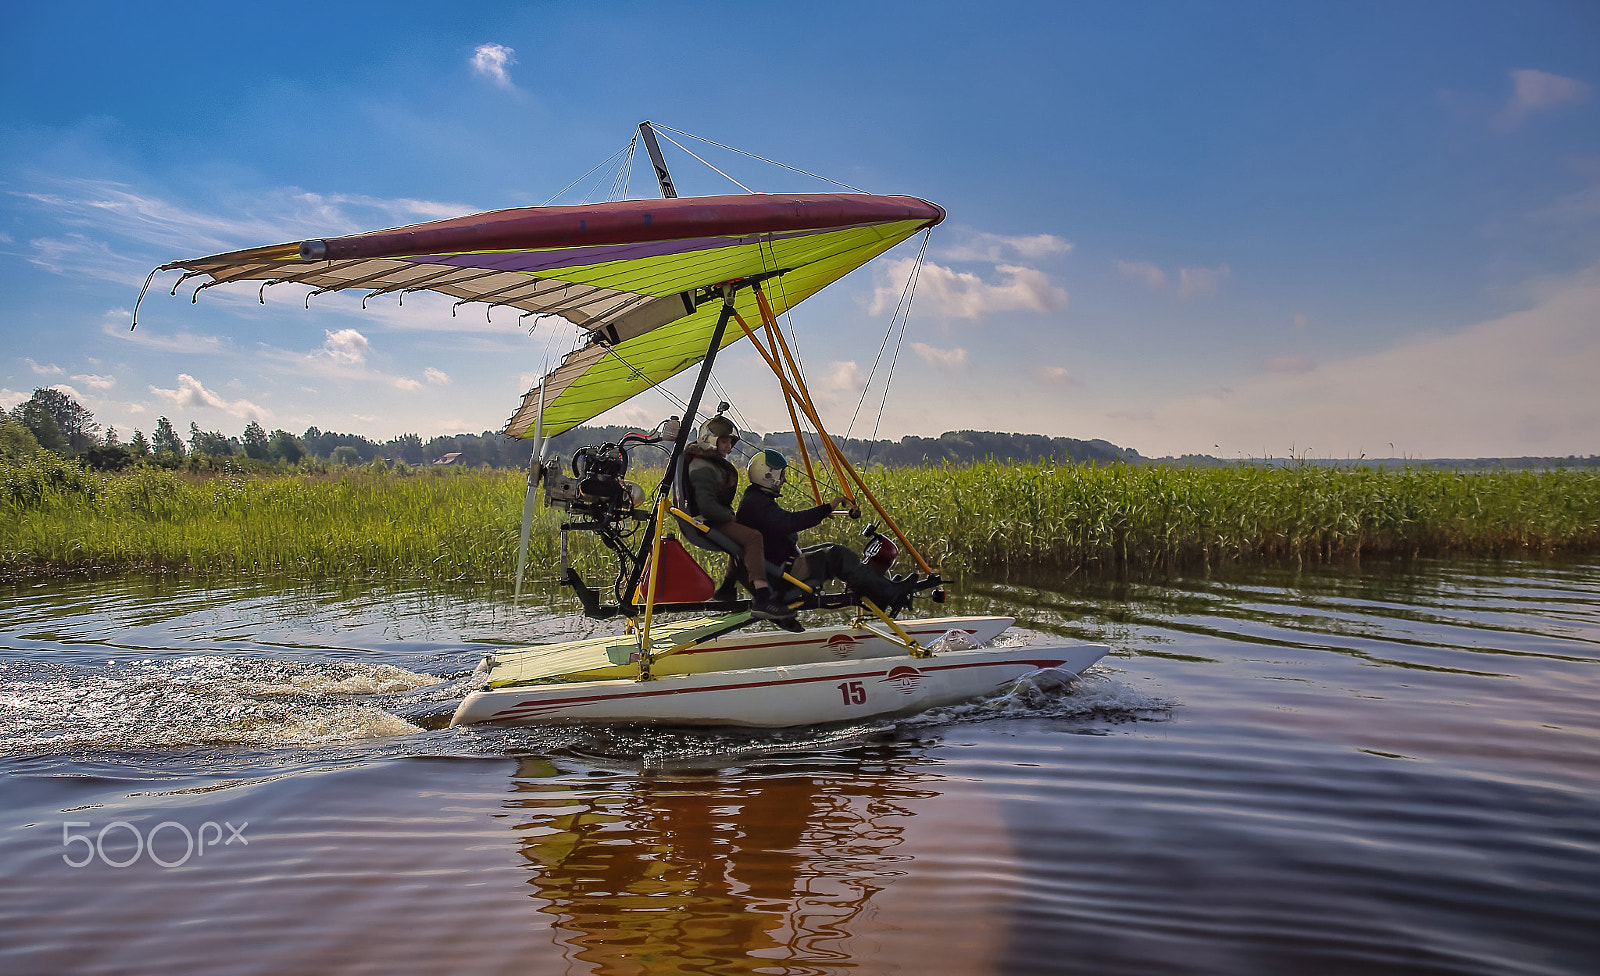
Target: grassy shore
column 452, row 524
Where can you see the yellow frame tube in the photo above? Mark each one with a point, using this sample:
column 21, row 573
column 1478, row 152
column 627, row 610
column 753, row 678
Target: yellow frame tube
column 841, row 463
column 650, row 591
column 909, row 642
column 680, row 513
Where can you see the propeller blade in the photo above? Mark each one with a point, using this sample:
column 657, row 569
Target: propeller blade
column 535, row 470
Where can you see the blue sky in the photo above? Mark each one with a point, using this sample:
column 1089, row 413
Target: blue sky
column 1239, row 229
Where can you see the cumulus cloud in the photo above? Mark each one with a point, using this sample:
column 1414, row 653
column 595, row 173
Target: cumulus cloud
column 11, row 398
column 1538, row 91
column 45, row 369
column 1143, row 271
column 960, row 294
column 192, row 394
column 973, row 245
column 437, row 377
column 943, row 360
column 1194, row 282
column 835, row 387
column 347, row 347
column 839, row 377
column 98, row 382
column 492, row 61
column 1054, row 376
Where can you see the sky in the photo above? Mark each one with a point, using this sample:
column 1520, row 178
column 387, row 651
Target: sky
column 1240, row 229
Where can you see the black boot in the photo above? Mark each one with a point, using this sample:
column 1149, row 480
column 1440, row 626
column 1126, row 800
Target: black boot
column 727, row 592
column 765, row 606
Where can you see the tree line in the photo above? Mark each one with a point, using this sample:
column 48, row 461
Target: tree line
column 54, row 421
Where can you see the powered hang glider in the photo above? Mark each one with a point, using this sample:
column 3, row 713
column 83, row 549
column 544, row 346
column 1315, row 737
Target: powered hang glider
column 645, row 279
column 658, row 286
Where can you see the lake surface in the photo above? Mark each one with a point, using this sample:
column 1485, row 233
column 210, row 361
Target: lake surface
column 1391, row 769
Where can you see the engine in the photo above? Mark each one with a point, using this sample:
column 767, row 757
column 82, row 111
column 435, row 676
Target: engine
column 593, row 484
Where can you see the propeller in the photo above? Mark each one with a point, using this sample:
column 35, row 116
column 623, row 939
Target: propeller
column 535, row 472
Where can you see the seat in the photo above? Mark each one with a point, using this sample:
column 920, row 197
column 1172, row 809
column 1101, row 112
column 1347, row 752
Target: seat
column 708, row 538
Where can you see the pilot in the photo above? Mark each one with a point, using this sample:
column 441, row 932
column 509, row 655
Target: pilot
column 712, row 483
column 780, row 530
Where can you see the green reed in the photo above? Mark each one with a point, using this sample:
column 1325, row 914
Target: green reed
column 449, row 524
column 1157, row 517
column 432, row 523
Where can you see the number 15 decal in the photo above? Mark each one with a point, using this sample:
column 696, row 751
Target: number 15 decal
column 854, row 692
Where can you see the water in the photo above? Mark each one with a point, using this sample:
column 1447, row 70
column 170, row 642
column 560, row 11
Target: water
column 1384, row 770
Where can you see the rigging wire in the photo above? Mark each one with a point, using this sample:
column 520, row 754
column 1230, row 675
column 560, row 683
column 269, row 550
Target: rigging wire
column 719, row 172
column 741, row 152
column 619, row 183
column 902, row 310
column 911, row 292
column 585, row 176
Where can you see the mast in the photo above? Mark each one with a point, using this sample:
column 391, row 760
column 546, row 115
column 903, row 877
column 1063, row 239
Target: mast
column 654, row 149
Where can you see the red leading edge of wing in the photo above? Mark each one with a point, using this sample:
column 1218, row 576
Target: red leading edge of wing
column 631, row 221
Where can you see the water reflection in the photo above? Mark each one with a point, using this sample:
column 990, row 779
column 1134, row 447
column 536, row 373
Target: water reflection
column 708, row 870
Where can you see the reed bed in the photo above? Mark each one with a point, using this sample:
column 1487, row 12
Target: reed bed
column 451, row 524
column 1167, row 518
column 445, row 525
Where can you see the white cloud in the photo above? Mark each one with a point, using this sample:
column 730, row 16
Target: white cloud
column 1054, row 376
column 982, row 246
column 9, row 399
column 192, row 394
column 98, row 382
column 1538, row 91
column 347, row 347
column 839, row 377
column 943, row 360
column 1143, row 271
column 406, row 383
column 960, row 294
column 437, row 377
column 1193, row 282
column 492, row 61
column 93, row 211
column 45, row 369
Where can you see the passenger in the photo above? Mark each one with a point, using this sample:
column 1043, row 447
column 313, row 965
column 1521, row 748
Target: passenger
column 780, row 529
column 712, row 484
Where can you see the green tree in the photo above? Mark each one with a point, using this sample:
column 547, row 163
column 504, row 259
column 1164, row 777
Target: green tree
column 345, row 456
column 16, row 440
column 209, row 442
column 139, row 446
column 255, row 442
column 72, row 418
column 42, row 424
column 286, row 447
column 167, row 440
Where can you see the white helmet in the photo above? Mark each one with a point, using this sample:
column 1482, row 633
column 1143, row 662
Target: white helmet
column 718, row 426
column 767, row 469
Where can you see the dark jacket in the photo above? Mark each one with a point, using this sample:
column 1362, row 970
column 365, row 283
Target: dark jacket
column 711, row 484
column 780, row 530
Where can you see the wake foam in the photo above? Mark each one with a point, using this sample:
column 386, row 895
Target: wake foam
column 208, row 700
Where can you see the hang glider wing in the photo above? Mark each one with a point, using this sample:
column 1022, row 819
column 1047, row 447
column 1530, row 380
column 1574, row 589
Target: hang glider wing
column 640, row 276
